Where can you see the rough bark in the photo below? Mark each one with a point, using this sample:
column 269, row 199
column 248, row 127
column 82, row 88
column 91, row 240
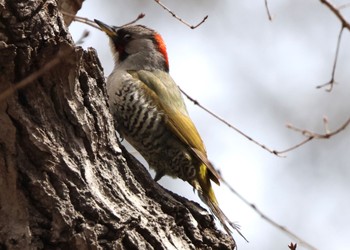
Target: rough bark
column 65, row 181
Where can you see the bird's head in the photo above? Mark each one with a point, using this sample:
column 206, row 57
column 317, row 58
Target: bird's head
column 136, row 47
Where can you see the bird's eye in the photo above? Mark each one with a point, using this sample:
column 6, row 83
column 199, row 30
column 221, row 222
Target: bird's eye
column 126, row 37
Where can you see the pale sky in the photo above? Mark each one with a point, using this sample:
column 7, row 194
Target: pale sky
column 258, row 75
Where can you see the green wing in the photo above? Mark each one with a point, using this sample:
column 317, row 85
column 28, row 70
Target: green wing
column 167, row 95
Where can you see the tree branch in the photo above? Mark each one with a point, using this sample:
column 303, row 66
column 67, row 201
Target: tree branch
column 269, row 219
column 230, row 125
column 268, row 11
column 310, row 135
column 331, row 82
column 336, row 12
column 179, row 18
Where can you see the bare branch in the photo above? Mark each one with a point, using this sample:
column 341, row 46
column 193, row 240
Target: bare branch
column 336, row 11
column 82, row 20
column 296, row 146
column 332, row 81
column 325, row 123
column 268, row 11
column 309, row 134
column 230, row 125
column 140, row 16
column 180, row 19
column 312, row 135
column 345, row 24
column 60, row 57
column 94, row 25
column 267, row 218
column 343, row 6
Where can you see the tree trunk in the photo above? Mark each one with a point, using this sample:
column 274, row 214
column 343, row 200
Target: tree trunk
column 65, row 180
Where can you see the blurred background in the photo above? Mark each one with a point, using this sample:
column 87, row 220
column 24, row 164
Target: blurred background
column 259, row 75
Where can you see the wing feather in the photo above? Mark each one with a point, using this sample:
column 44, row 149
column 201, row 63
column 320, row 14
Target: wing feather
column 168, row 97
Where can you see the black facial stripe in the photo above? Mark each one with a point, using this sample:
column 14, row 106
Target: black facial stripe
column 123, row 55
column 120, row 41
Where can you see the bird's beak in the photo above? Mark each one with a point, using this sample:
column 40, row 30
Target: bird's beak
column 106, row 28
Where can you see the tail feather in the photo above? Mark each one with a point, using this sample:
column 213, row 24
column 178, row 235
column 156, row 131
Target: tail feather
column 207, row 195
column 212, row 203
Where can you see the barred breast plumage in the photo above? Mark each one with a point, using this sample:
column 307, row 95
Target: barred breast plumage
column 143, row 125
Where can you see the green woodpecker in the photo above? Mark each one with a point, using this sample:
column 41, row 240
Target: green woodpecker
column 151, row 114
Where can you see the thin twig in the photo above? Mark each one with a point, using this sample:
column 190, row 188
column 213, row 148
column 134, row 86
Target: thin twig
column 59, row 58
column 325, row 123
column 331, row 82
column 230, row 125
column 336, row 11
column 296, row 146
column 87, row 21
column 343, row 6
column 268, row 11
column 267, row 218
column 309, row 133
column 312, row 135
column 140, row 16
column 82, row 20
column 179, row 18
column 345, row 24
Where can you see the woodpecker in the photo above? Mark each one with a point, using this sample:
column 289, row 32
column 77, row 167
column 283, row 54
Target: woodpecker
column 151, row 114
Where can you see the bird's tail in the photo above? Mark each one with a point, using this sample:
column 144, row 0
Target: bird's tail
column 202, row 184
column 207, row 195
column 210, row 200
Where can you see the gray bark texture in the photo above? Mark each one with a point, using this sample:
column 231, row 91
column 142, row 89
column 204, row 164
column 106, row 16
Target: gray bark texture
column 65, row 180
